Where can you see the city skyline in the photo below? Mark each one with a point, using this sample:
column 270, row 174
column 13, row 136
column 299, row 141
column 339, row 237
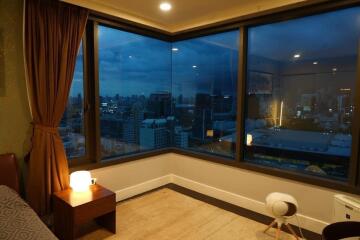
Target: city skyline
column 299, row 98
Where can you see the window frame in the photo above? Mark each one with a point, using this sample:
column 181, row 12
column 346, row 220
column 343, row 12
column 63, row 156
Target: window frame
column 131, row 156
column 293, row 11
column 76, row 161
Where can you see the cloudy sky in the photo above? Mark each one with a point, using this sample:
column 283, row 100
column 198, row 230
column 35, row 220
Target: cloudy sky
column 134, row 64
column 328, row 35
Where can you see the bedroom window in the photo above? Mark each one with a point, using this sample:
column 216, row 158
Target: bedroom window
column 300, row 94
column 265, row 94
column 71, row 127
column 204, row 76
column 134, row 93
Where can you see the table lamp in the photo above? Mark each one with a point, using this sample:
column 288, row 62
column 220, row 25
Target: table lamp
column 80, row 181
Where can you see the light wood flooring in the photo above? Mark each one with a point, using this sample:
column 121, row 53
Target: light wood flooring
column 169, row 215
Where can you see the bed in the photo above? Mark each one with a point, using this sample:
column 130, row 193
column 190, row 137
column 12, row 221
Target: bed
column 17, row 220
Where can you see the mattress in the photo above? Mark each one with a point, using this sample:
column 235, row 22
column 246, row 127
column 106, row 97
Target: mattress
column 18, row 221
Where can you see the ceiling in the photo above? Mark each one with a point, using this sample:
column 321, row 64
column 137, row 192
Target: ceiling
column 185, row 14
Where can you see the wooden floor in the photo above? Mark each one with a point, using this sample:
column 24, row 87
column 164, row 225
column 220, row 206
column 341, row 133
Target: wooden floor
column 169, row 215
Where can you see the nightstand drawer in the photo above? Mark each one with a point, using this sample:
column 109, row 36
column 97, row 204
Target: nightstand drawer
column 94, row 209
column 72, row 209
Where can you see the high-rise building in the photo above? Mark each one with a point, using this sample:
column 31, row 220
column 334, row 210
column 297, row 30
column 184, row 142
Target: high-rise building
column 222, row 103
column 133, row 124
column 153, row 134
column 159, row 104
column 181, row 138
column 184, row 113
column 345, row 107
column 111, row 126
column 203, row 116
column 171, row 125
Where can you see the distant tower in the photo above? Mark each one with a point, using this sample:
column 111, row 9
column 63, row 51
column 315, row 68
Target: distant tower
column 160, row 104
column 133, row 124
column 344, row 105
column 203, row 116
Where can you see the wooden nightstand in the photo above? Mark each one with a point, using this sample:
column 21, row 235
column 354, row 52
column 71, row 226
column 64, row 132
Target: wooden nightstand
column 72, row 209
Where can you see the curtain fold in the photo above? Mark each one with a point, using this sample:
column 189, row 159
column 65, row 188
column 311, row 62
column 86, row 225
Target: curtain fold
column 53, row 32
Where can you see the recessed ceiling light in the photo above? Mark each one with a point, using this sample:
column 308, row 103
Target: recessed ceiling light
column 315, row 63
column 165, row 6
column 297, row 55
column 175, row 49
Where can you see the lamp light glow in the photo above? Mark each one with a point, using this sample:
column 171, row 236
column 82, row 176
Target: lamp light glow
column 315, row 63
column 210, row 133
column 281, row 113
column 297, row 55
column 165, row 6
column 249, row 139
column 80, row 181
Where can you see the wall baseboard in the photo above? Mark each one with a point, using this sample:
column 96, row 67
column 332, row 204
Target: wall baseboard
column 306, row 222
column 140, row 188
column 312, row 224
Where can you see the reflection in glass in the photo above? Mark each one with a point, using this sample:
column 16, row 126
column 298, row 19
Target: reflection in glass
column 204, row 75
column 71, row 127
column 301, row 78
column 135, row 93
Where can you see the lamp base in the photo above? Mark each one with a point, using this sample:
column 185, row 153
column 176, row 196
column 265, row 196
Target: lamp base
column 278, row 230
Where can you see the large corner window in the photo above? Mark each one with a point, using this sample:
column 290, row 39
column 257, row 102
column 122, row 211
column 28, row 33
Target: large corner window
column 204, row 76
column 289, row 106
column 300, row 91
column 71, row 127
column 135, row 93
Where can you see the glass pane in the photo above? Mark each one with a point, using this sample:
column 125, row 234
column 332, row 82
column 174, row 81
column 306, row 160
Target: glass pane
column 72, row 124
column 204, row 87
column 135, row 93
column 300, row 93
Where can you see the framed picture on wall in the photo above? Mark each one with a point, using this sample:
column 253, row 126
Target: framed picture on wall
column 259, row 83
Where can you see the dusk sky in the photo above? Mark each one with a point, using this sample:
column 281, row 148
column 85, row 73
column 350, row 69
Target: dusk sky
column 314, row 36
column 315, row 39
column 134, row 64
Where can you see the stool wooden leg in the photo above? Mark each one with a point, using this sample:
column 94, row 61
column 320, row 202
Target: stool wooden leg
column 270, row 226
column 278, row 232
column 292, row 231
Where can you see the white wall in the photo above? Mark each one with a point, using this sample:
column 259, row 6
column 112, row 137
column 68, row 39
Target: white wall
column 241, row 187
column 121, row 176
column 314, row 201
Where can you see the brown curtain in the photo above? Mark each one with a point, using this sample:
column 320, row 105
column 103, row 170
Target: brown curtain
column 53, row 32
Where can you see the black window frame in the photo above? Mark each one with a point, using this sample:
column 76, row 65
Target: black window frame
column 92, row 159
column 84, row 159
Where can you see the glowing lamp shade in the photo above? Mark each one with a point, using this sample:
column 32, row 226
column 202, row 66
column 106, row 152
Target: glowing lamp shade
column 80, row 181
column 249, row 139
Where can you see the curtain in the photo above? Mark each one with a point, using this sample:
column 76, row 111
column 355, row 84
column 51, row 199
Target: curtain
column 53, row 32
